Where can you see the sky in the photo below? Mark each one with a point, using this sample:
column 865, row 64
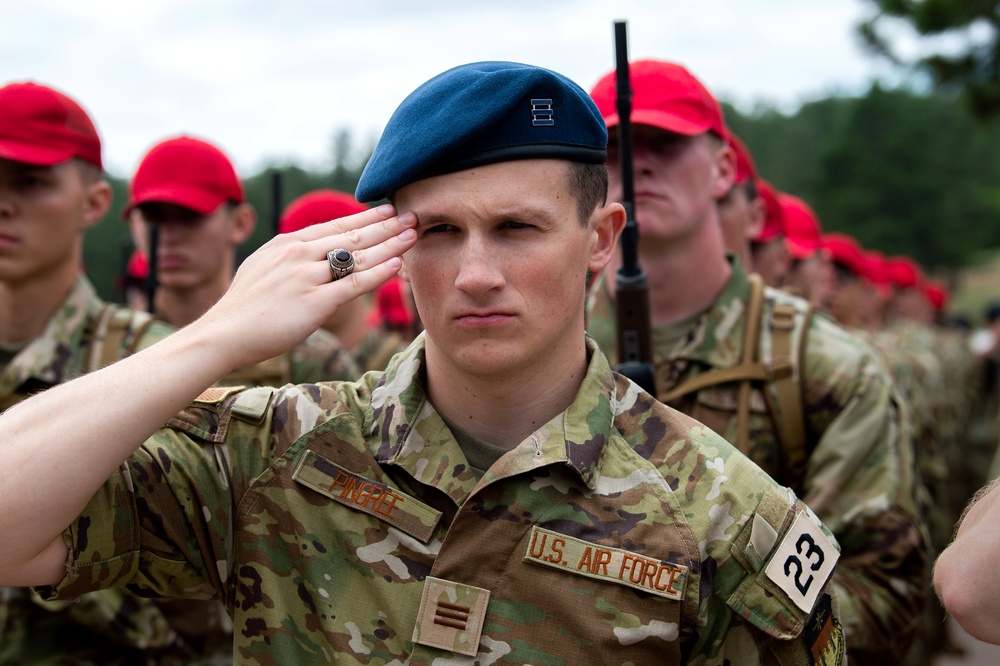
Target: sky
column 274, row 82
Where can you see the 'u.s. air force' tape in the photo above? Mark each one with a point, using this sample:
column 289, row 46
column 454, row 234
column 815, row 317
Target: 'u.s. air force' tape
column 614, row 565
column 802, row 562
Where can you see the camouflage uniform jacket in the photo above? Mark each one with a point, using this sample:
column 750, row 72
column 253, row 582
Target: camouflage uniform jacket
column 107, row 627
column 859, row 477
column 341, row 522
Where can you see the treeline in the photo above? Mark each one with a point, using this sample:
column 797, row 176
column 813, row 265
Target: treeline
column 903, row 172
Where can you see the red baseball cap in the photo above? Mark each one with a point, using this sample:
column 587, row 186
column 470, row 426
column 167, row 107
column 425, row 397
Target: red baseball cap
column 316, row 207
column 186, row 172
column 937, row 293
column 847, row 252
column 745, row 167
column 664, row 95
column 391, row 304
column 802, row 229
column 39, row 125
column 903, row 272
column 774, row 217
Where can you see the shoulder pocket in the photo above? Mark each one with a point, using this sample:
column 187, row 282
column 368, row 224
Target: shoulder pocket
column 789, row 559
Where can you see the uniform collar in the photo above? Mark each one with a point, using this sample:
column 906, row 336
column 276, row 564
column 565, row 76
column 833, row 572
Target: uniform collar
column 716, row 339
column 57, row 355
column 411, row 434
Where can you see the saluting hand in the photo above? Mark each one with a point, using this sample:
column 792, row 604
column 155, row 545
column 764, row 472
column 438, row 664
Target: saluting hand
column 285, row 290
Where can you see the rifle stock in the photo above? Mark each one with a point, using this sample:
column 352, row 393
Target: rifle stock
column 634, row 338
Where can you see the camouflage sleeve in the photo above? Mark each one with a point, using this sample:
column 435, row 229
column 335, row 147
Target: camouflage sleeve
column 860, row 481
column 322, row 358
column 766, row 564
column 161, row 525
column 759, row 585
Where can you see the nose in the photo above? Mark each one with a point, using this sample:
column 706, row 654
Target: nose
column 481, row 267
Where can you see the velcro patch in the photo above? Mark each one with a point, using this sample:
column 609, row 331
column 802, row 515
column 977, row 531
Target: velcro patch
column 614, row 565
column 216, row 394
column 451, row 616
column 388, row 504
column 802, row 562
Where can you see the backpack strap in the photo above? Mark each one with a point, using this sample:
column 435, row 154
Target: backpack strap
column 786, row 363
column 115, row 334
column 785, row 400
column 749, row 370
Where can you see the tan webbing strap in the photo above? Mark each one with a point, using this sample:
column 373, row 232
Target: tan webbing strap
column 749, row 370
column 751, row 348
column 145, row 321
column 790, row 419
column 753, row 372
column 97, row 348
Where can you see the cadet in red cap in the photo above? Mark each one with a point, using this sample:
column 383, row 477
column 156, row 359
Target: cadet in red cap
column 811, row 273
column 188, row 189
column 807, row 401
column 54, row 327
column 741, row 210
column 770, row 257
column 847, row 300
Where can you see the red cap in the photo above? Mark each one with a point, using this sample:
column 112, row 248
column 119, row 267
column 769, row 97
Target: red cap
column 903, row 272
column 391, row 306
column 664, row 95
column 802, row 230
column 774, row 217
column 745, row 168
column 316, row 207
column 847, row 252
column 186, row 172
column 937, row 293
column 138, row 265
column 39, row 125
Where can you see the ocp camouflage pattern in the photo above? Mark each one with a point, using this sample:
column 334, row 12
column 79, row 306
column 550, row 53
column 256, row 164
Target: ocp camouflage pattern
column 860, row 475
column 108, row 627
column 318, row 512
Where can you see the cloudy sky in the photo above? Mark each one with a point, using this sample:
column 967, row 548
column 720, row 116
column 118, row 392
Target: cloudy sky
column 274, row 81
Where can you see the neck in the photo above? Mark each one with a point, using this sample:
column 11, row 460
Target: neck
column 25, row 309
column 180, row 307
column 505, row 409
column 684, row 277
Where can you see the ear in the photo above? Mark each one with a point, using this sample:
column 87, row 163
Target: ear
column 244, row 220
column 724, row 170
column 758, row 213
column 97, row 201
column 606, row 226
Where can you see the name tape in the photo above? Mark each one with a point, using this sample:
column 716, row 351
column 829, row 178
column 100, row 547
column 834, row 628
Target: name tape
column 377, row 499
column 614, row 565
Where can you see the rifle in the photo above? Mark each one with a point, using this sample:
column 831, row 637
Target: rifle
column 635, row 349
column 276, row 199
column 151, row 281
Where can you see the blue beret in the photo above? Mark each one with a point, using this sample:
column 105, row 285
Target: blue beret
column 482, row 113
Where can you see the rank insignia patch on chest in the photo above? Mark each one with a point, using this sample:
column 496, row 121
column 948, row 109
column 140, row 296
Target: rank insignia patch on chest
column 614, row 565
column 451, row 616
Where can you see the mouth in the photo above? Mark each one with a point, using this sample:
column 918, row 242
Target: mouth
column 483, row 319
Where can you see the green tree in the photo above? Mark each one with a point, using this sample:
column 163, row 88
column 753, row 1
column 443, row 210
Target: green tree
column 961, row 40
